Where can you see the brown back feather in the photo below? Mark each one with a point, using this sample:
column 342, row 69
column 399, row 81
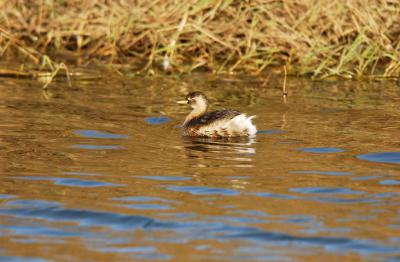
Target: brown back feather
column 209, row 118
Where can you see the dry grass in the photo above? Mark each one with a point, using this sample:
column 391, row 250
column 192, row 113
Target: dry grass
column 311, row 37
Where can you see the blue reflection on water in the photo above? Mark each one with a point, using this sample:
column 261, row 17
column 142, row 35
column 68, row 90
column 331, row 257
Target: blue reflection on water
column 362, row 178
column 3, row 196
column 237, row 177
column 385, row 157
column 32, row 203
column 147, row 206
column 97, row 147
column 322, row 150
column 38, row 229
column 315, row 172
column 150, row 205
column 21, row 259
column 142, row 249
column 83, row 217
column 142, row 199
column 331, row 243
column 97, row 134
column 151, row 257
column 75, row 182
column 326, row 195
column 81, row 183
column 199, row 190
column 82, row 174
column 165, row 178
column 142, row 252
column 193, row 230
column 275, row 195
column 325, row 190
column 157, row 120
column 390, row 182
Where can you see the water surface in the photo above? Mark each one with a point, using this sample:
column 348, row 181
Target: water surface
column 99, row 172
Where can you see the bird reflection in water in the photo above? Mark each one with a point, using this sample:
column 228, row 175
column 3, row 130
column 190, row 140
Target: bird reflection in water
column 233, row 151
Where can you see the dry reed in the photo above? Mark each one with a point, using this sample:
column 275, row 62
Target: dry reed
column 319, row 38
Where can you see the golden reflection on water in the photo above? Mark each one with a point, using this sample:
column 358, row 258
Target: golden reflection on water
column 82, row 166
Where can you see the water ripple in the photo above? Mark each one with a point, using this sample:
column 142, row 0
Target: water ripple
column 165, row 178
column 331, row 243
column 97, row 134
column 82, row 174
column 3, row 196
column 38, row 229
column 316, row 172
column 157, row 120
column 142, row 252
column 271, row 132
column 390, row 182
column 195, row 230
column 325, row 190
column 200, row 190
column 142, row 199
column 385, row 157
column 32, row 203
column 97, row 147
column 83, row 217
column 325, row 199
column 147, row 206
column 75, row 182
column 21, row 259
column 81, row 183
column 321, row 150
column 362, row 178
column 275, row 195
column 143, row 249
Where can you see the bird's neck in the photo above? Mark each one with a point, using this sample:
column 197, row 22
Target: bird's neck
column 196, row 113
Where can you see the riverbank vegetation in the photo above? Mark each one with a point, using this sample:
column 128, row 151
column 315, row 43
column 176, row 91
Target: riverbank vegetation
column 323, row 38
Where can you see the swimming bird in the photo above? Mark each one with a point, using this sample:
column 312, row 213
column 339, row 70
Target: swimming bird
column 222, row 123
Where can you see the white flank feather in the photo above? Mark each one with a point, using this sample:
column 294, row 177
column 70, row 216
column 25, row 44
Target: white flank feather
column 242, row 124
column 239, row 125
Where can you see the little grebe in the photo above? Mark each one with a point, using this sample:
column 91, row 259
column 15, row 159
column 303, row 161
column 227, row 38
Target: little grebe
column 222, row 123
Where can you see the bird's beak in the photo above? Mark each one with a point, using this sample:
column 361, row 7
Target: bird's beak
column 182, row 102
